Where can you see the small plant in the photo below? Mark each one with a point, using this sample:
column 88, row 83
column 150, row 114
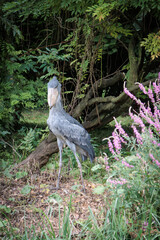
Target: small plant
column 4, row 209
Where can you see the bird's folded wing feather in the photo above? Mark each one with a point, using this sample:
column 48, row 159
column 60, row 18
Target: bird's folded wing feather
column 74, row 133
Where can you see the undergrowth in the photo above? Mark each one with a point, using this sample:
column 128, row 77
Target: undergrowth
column 129, row 173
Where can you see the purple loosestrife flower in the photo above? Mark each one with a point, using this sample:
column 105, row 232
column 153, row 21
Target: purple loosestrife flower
column 137, row 134
column 115, row 182
column 148, row 111
column 156, row 112
column 138, row 101
column 130, row 94
column 110, row 145
column 106, row 162
column 144, row 116
column 107, row 168
column 156, row 143
column 157, row 125
column 142, row 88
column 150, row 95
column 150, row 132
column 145, row 225
column 120, row 129
column 137, row 120
column 122, row 140
column 154, row 160
column 139, row 156
column 157, row 163
column 157, row 90
column 127, row 164
column 116, row 142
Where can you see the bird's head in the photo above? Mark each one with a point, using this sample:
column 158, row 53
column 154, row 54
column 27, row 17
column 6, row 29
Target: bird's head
column 54, row 89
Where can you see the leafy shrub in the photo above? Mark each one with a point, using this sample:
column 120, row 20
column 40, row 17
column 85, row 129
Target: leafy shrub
column 134, row 179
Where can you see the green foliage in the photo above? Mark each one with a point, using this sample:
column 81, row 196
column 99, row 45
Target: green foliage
column 14, row 149
column 17, row 92
column 48, row 60
column 21, row 174
column 92, row 31
column 27, row 142
column 134, row 179
column 4, row 209
column 152, row 44
column 117, row 224
column 26, row 189
column 104, row 10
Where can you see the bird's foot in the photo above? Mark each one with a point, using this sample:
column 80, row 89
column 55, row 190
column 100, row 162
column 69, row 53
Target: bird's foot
column 83, row 189
column 54, row 188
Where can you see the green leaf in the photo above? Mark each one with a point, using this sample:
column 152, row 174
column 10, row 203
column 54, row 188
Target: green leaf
column 50, row 166
column 21, row 174
column 54, row 198
column 99, row 190
column 4, row 209
column 96, row 167
column 26, row 189
column 3, row 223
column 120, row 191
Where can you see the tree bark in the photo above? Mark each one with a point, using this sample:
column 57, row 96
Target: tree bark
column 108, row 108
column 134, row 62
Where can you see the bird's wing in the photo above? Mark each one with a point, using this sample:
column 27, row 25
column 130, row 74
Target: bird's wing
column 72, row 132
column 71, row 119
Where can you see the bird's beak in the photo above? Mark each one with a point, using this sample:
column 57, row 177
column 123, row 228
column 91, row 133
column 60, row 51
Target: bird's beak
column 52, row 96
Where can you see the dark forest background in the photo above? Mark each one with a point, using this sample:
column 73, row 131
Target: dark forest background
column 92, row 46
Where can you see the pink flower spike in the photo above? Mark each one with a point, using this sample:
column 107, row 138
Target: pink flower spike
column 157, row 90
column 116, row 142
column 115, row 182
column 110, row 145
column 142, row 88
column 139, row 156
column 130, row 94
column 127, row 164
column 154, row 160
column 137, row 120
column 122, row 140
column 107, row 168
column 150, row 132
column 137, row 134
column 151, row 96
column 120, row 129
column 145, row 225
column 158, row 163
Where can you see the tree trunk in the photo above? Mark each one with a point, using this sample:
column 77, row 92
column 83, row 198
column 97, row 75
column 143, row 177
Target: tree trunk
column 134, row 62
column 108, row 108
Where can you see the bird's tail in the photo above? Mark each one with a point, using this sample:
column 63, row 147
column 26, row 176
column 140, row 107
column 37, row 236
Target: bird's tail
column 89, row 151
column 86, row 151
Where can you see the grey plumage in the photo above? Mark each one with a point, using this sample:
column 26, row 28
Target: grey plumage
column 67, row 129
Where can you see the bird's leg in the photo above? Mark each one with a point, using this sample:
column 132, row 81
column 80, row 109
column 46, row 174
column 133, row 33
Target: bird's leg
column 80, row 169
column 73, row 148
column 60, row 162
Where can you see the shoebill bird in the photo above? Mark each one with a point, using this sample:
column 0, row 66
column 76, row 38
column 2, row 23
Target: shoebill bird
column 67, row 129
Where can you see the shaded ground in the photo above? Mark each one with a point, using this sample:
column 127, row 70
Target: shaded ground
column 27, row 208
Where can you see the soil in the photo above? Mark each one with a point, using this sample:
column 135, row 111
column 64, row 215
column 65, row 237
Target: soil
column 42, row 202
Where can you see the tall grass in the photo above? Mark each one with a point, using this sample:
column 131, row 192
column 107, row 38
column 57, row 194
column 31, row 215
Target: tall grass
column 47, row 232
